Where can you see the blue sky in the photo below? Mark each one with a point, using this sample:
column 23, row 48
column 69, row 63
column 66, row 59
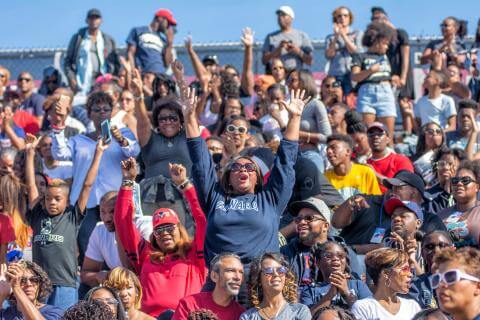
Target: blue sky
column 50, row 23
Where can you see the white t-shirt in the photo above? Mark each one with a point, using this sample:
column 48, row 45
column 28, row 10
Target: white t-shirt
column 63, row 171
column 102, row 245
column 436, row 110
column 370, row 309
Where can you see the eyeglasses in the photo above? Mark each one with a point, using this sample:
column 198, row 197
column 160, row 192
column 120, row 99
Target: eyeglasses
column 270, row 271
column 168, row 229
column 233, row 128
column 105, row 109
column 308, row 219
column 249, row 167
column 335, row 84
column 32, row 279
column 168, row 119
column 331, row 256
column 109, row 301
column 433, row 132
column 432, row 246
column 450, row 277
column 463, row 180
column 24, row 79
column 444, row 164
column 375, row 134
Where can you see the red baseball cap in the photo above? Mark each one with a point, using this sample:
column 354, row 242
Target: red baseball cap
column 167, row 14
column 164, row 216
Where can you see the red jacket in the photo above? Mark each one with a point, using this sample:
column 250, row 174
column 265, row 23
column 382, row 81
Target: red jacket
column 164, row 284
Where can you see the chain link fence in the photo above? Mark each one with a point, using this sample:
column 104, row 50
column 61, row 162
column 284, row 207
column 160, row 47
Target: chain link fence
column 35, row 60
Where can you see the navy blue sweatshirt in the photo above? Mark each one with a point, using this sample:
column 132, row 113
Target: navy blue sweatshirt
column 246, row 225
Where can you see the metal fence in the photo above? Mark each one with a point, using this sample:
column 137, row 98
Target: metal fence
column 35, row 60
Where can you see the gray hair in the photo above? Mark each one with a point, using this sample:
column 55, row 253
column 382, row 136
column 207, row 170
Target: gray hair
column 8, row 151
column 215, row 263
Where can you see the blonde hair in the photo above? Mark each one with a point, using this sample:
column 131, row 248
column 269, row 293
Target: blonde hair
column 6, row 72
column 337, row 10
column 120, row 278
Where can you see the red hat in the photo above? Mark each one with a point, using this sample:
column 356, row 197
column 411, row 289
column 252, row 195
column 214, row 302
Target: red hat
column 164, row 216
column 167, row 14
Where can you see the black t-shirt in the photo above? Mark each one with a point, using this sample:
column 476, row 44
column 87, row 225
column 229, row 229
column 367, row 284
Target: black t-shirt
column 368, row 59
column 365, row 221
column 55, row 243
column 395, row 57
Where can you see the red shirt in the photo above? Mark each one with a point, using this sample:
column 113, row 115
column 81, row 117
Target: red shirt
column 204, row 300
column 7, row 233
column 164, row 284
column 390, row 165
column 26, row 121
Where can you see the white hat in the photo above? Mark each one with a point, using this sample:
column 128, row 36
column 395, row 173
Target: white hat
column 286, row 10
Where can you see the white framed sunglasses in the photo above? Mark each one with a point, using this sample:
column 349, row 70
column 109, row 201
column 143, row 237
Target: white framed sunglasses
column 450, row 277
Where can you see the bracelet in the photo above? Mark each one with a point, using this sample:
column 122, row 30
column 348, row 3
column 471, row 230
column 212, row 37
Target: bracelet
column 308, row 137
column 127, row 183
column 183, row 185
column 138, row 98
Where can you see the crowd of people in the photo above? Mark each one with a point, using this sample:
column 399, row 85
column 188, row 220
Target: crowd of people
column 242, row 196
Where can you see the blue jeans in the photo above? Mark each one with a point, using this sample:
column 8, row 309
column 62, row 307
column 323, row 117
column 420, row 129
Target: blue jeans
column 377, row 98
column 63, row 297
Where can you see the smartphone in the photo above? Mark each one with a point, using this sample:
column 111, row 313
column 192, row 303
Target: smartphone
column 106, row 134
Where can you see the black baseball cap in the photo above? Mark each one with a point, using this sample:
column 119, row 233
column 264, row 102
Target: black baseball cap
column 210, row 59
column 403, row 177
column 94, row 13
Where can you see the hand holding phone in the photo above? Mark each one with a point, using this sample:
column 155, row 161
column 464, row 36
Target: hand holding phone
column 106, row 134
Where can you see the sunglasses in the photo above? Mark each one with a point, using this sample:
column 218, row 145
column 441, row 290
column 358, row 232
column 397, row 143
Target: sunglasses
column 24, row 79
column 308, row 219
column 168, row 229
column 109, row 301
column 168, row 119
column 432, row 246
column 463, row 180
column 270, row 271
column 104, row 109
column 433, row 132
column 233, row 128
column 335, row 84
column 32, row 279
column 249, row 167
column 450, row 277
column 405, row 270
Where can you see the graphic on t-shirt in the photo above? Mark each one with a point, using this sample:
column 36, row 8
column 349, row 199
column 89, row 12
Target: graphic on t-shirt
column 150, row 41
column 235, row 204
column 45, row 233
column 459, row 231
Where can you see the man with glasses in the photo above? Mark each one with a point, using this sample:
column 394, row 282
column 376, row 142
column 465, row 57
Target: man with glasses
column 457, row 282
column 292, row 46
column 466, row 135
column 226, row 271
column 347, row 177
column 312, row 221
column 30, row 101
column 384, row 161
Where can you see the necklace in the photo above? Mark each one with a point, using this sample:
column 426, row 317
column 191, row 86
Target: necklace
column 266, row 315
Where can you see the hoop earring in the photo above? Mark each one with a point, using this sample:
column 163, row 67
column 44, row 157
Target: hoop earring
column 389, row 282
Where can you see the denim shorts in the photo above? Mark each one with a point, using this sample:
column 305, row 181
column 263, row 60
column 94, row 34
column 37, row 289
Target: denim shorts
column 377, row 98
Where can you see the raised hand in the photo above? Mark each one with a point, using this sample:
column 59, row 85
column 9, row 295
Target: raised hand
column 188, row 99
column 117, row 135
column 61, row 105
column 178, row 69
column 125, row 64
column 297, row 103
column 178, row 173
column 129, row 169
column 229, row 147
column 14, row 274
column 247, row 37
column 137, row 83
column 5, row 288
column 101, row 146
column 31, row 142
column 188, row 42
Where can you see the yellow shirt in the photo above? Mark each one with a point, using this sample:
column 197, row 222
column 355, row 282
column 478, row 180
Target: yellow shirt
column 360, row 179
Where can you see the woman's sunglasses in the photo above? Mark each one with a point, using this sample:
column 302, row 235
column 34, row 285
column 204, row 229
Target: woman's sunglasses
column 433, row 132
column 270, row 271
column 249, row 167
column 233, row 128
column 168, row 119
column 169, row 229
column 463, row 180
column 33, row 280
column 450, row 277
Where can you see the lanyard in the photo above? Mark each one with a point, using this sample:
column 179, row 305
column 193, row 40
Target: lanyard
column 381, row 213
